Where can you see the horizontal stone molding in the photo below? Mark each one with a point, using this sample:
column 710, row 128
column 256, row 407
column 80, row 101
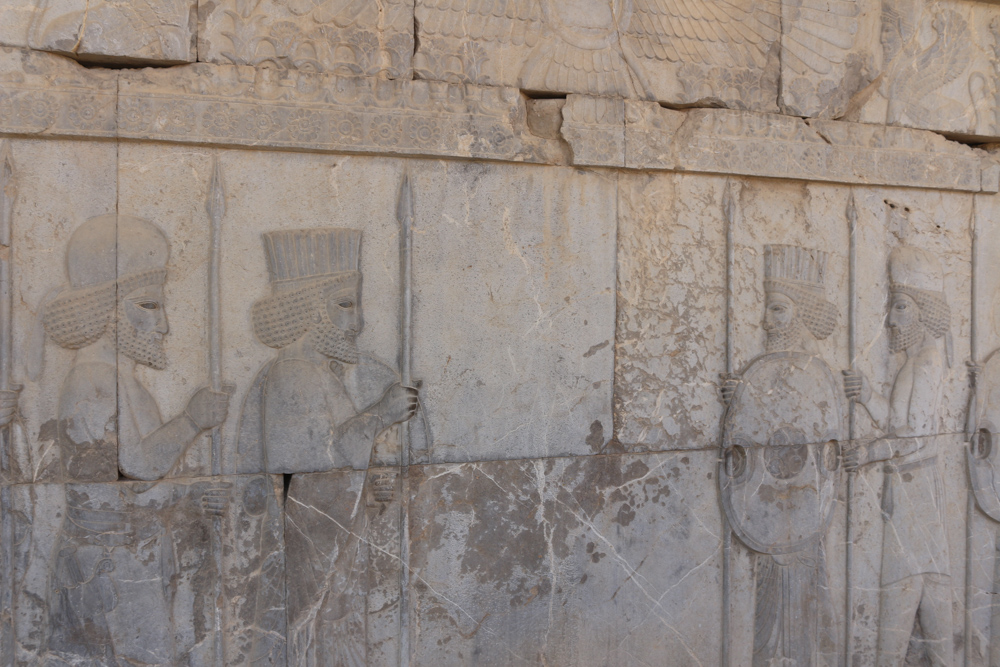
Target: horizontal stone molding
column 241, row 106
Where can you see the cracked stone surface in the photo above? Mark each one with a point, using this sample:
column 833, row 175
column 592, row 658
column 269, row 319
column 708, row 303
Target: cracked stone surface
column 514, row 332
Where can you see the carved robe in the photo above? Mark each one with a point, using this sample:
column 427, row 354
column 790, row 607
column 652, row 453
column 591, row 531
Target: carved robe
column 914, row 540
column 328, row 562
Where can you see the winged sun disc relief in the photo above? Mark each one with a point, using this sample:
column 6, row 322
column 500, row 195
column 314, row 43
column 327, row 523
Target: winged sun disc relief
column 612, row 48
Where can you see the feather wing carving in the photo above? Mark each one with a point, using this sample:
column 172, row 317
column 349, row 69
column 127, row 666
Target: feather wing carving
column 917, row 73
column 696, row 30
column 945, row 60
column 517, row 22
column 817, row 32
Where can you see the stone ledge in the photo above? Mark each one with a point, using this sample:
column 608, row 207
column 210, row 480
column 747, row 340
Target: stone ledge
column 241, row 106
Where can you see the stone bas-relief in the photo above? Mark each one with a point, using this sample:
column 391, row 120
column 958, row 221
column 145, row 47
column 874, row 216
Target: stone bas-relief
column 126, row 572
column 658, row 50
column 915, row 573
column 553, row 302
column 940, row 68
column 352, row 37
column 300, row 415
column 143, row 31
column 779, row 475
column 113, row 314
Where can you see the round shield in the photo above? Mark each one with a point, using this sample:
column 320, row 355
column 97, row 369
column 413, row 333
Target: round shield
column 983, row 455
column 781, row 448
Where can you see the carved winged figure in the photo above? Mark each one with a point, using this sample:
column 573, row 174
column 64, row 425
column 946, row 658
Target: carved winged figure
column 914, row 72
column 603, row 47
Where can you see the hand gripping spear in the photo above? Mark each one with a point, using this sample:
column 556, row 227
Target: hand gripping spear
column 404, row 213
column 216, row 206
column 8, row 192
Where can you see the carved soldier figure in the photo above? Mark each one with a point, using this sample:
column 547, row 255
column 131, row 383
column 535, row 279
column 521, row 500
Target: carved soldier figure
column 782, row 424
column 113, row 315
column 317, row 406
column 915, row 567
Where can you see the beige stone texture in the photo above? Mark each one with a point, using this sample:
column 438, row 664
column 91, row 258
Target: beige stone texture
column 937, row 69
column 145, row 31
column 351, row 38
column 43, row 94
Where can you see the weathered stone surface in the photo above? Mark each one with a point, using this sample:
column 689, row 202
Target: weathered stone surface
column 826, row 55
column 43, row 94
column 267, row 107
column 145, row 31
column 734, row 142
column 726, row 53
column 86, row 175
column 562, row 363
column 512, row 561
column 938, row 68
column 342, row 552
column 131, row 571
column 352, row 38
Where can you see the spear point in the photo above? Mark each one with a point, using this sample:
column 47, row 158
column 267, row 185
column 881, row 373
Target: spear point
column 729, row 201
column 216, row 202
column 852, row 209
column 404, row 206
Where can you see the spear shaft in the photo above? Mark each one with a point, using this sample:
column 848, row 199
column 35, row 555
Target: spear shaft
column 216, row 206
column 970, row 505
column 852, row 308
column 729, row 210
column 8, row 192
column 404, row 213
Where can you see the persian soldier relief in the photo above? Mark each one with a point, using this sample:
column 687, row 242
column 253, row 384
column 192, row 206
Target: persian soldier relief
column 915, row 572
column 214, row 449
column 781, row 441
column 319, row 406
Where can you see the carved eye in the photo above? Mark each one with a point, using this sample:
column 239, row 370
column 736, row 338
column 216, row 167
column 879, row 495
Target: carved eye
column 346, row 304
column 149, row 305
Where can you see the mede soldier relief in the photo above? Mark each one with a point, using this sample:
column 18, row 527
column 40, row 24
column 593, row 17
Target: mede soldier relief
column 916, row 572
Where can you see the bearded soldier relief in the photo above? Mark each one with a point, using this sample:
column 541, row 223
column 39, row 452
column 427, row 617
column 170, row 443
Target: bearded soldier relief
column 123, row 550
column 916, row 574
column 778, row 479
column 113, row 314
column 318, row 406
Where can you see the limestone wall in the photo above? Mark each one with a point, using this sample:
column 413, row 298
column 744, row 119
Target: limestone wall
column 499, row 332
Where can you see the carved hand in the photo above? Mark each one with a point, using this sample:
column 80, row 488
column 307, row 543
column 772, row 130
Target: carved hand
column 398, row 404
column 975, row 370
column 728, row 387
column 8, row 405
column 857, row 457
column 856, row 386
column 215, row 499
column 207, row 408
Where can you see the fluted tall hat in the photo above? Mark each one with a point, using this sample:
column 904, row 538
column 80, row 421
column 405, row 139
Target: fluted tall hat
column 799, row 274
column 302, row 264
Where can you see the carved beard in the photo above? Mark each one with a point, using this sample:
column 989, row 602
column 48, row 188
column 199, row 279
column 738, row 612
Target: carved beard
column 786, row 338
column 903, row 338
column 144, row 347
column 332, row 341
